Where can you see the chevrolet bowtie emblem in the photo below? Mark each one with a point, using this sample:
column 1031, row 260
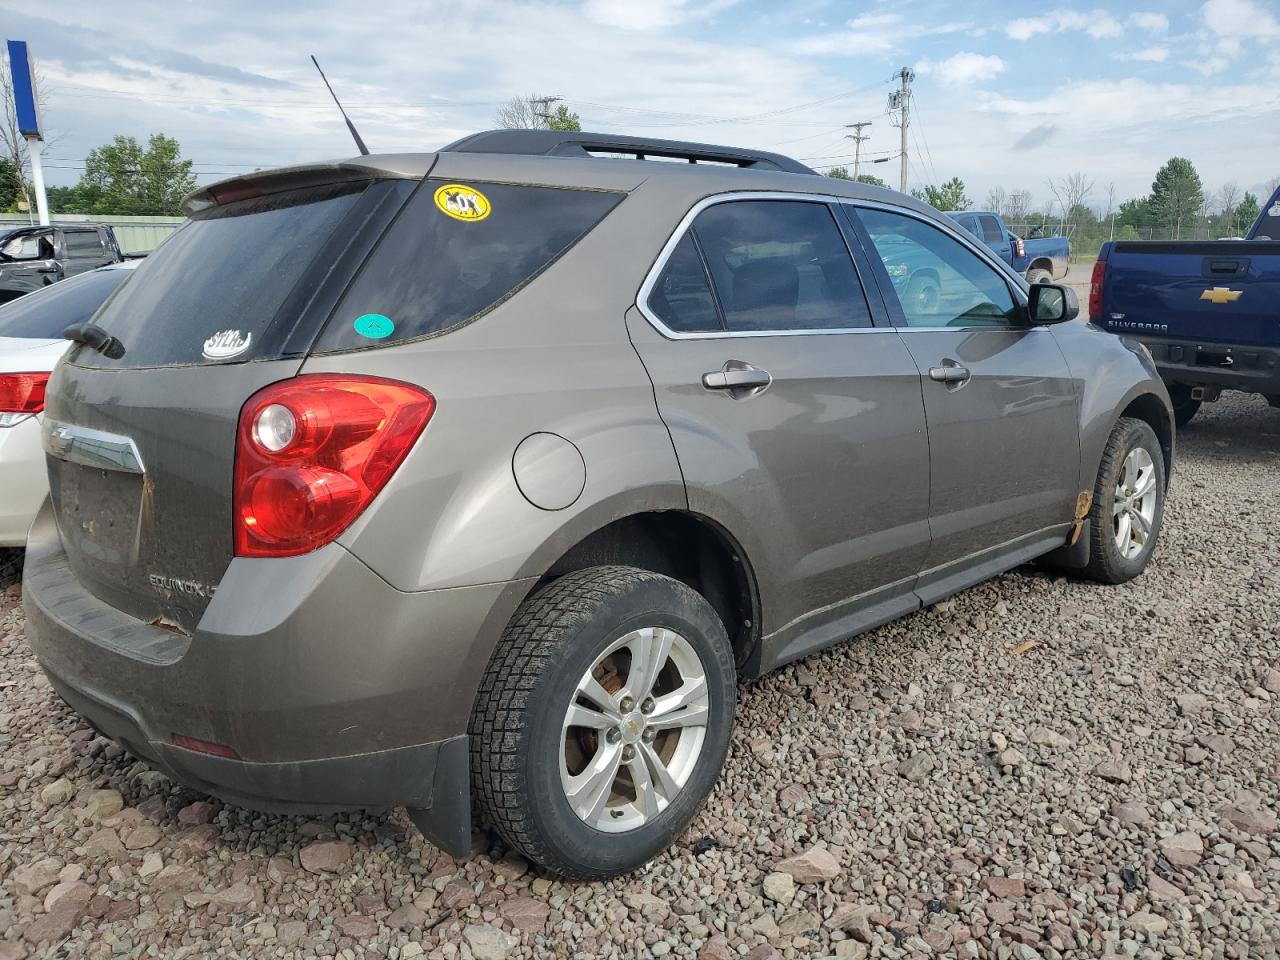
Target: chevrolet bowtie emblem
column 1221, row 295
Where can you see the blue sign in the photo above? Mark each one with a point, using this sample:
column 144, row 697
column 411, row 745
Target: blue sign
column 24, row 90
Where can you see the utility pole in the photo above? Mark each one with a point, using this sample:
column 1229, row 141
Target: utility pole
column 857, row 137
column 543, row 107
column 900, row 101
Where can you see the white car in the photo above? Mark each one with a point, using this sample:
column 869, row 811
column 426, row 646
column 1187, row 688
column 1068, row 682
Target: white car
column 31, row 343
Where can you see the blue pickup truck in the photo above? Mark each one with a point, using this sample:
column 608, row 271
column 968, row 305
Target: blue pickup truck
column 1039, row 259
column 1209, row 312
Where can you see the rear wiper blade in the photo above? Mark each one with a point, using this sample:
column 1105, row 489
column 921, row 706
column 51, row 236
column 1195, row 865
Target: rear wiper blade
column 92, row 335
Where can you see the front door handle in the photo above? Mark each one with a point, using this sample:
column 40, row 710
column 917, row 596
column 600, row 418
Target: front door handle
column 736, row 378
column 949, row 372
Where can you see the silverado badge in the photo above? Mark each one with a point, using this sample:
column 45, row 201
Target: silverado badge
column 1221, row 295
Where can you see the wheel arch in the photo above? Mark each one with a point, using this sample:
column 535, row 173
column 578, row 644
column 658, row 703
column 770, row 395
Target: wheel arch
column 685, row 546
column 1150, row 409
column 1041, row 263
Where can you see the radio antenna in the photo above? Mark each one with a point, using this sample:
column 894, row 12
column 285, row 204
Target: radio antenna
column 364, row 151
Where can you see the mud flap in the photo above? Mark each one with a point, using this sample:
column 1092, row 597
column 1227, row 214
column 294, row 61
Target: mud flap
column 1075, row 553
column 447, row 823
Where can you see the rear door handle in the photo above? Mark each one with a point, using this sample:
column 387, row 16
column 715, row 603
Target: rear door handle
column 949, row 373
column 736, row 378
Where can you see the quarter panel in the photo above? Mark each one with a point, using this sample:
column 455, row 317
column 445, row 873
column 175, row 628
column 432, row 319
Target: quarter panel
column 1110, row 372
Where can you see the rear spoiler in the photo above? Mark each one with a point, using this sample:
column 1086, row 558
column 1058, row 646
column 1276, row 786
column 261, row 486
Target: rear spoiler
column 406, row 166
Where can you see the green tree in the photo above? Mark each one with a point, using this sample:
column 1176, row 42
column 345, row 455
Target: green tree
column 10, row 185
column 564, row 119
column 121, row 177
column 949, row 196
column 840, row 173
column 872, row 179
column 1177, row 195
column 1247, row 212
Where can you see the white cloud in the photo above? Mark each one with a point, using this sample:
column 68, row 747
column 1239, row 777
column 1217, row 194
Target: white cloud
column 1150, row 22
column 1149, row 55
column 875, row 33
column 1097, row 23
column 651, row 14
column 1236, row 20
column 962, row 68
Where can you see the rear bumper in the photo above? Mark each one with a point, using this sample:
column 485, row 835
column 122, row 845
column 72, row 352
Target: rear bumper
column 1252, row 369
column 23, row 481
column 334, row 690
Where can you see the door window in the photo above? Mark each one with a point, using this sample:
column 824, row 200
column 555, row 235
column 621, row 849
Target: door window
column 29, row 246
column 991, row 230
column 682, row 297
column 969, row 223
column 939, row 282
column 761, row 266
column 83, row 243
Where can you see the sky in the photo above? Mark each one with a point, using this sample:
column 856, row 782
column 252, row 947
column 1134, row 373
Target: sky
column 1007, row 95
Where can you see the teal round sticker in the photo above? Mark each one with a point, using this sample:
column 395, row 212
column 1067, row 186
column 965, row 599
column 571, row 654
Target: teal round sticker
column 375, row 326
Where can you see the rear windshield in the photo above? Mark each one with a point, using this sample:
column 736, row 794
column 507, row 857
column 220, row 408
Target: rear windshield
column 43, row 315
column 456, row 251
column 214, row 291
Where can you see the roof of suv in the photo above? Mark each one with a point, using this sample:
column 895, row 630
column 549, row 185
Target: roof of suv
column 576, row 158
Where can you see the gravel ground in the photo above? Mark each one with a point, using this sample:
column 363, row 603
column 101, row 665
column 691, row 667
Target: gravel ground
column 1036, row 768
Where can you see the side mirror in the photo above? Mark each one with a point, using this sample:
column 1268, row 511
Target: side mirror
column 1051, row 303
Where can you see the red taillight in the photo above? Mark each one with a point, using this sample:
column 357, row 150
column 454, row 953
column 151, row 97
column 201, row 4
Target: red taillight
column 312, row 452
column 1095, row 289
column 1019, row 248
column 22, row 392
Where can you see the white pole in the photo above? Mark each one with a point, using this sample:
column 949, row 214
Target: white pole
column 37, row 180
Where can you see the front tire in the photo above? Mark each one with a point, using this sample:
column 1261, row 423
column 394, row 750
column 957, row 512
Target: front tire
column 603, row 720
column 1128, row 503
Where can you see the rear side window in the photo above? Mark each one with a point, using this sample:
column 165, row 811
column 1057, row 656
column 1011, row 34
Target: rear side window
column 214, row 291
column 83, row 243
column 456, row 251
column 682, row 297
column 991, row 229
column 776, row 266
column 43, row 315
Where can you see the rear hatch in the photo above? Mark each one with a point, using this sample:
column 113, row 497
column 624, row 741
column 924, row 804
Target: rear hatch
column 1217, row 292
column 142, row 448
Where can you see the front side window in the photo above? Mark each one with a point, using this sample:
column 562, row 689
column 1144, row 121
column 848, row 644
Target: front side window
column 938, row 281
column 775, row 265
column 29, row 246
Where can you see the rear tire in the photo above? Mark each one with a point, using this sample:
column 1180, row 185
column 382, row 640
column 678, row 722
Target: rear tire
column 1184, row 406
column 551, row 765
column 1039, row 276
column 1128, row 504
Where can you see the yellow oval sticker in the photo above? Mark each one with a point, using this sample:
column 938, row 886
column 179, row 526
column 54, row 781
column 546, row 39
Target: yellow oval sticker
column 462, row 202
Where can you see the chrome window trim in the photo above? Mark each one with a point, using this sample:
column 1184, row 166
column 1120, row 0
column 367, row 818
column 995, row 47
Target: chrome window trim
column 91, row 448
column 651, row 278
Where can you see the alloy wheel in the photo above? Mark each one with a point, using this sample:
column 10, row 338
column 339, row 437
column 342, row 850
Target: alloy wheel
column 634, row 729
column 1134, row 511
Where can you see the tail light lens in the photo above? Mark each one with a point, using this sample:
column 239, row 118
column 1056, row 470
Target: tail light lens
column 21, row 395
column 1019, row 248
column 311, row 454
column 1095, row 289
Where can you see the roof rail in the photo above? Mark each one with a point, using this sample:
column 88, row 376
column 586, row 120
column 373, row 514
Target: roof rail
column 571, row 144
